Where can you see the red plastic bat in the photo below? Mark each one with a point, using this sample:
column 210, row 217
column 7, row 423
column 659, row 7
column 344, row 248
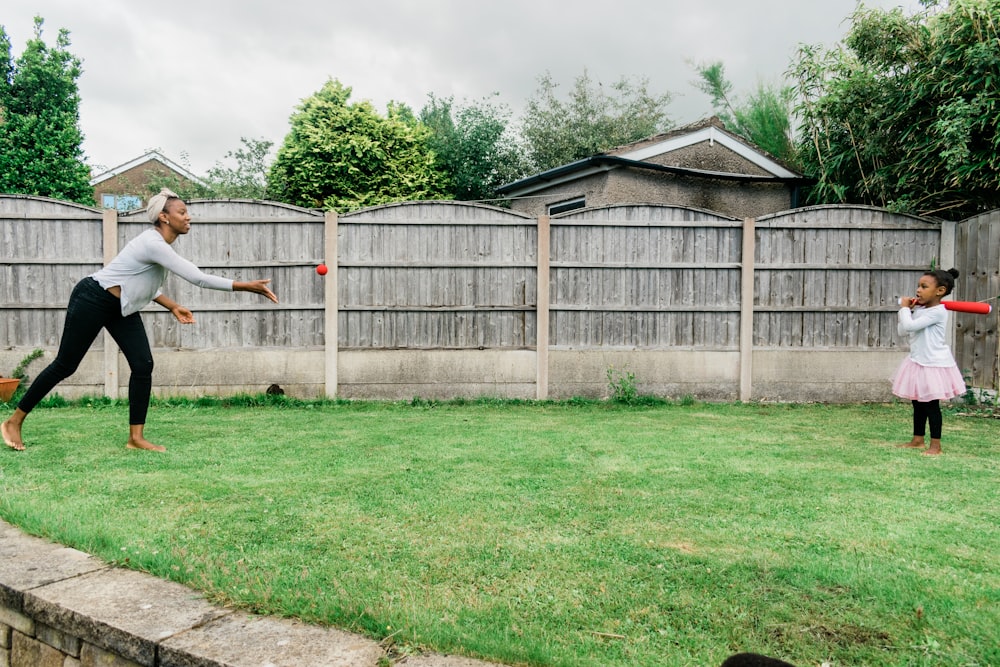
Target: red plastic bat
column 977, row 307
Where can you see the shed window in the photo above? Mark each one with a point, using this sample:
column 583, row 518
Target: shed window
column 121, row 202
column 568, row 205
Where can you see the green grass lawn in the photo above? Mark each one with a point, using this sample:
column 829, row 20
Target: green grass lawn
column 575, row 533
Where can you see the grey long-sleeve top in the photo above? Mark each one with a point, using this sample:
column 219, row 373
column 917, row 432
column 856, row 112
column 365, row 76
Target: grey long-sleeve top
column 141, row 267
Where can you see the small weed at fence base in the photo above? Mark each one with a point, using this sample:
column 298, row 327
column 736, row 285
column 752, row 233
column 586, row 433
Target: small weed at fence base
column 621, row 384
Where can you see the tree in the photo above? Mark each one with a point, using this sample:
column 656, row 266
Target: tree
column 904, row 113
column 592, row 120
column 40, row 136
column 346, row 156
column 764, row 119
column 248, row 179
column 473, row 146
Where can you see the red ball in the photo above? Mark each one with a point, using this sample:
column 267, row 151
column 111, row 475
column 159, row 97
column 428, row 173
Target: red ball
column 321, row 269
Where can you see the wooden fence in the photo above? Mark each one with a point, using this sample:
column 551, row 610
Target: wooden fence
column 444, row 299
column 442, row 275
column 977, row 242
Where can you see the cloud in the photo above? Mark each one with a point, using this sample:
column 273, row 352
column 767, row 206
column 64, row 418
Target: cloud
column 192, row 78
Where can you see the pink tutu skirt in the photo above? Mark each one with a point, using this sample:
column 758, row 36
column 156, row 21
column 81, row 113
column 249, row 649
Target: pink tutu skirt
column 927, row 383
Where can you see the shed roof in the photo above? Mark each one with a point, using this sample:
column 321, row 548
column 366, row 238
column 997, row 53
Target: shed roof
column 634, row 155
column 151, row 156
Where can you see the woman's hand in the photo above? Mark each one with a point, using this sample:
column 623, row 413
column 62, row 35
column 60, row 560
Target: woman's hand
column 183, row 315
column 256, row 286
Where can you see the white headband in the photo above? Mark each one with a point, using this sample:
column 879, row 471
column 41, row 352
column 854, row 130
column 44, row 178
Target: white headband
column 157, row 202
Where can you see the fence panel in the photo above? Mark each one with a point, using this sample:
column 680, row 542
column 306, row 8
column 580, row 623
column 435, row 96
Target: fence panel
column 829, row 277
column 437, row 275
column 978, row 261
column 645, row 276
column 47, row 246
column 242, row 240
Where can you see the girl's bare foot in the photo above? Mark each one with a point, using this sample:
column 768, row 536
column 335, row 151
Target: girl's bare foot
column 12, row 436
column 916, row 443
column 142, row 443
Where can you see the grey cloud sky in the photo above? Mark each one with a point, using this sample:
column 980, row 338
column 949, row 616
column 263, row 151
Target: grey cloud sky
column 191, row 78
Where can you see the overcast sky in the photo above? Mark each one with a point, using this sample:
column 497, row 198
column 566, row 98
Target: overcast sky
column 191, row 78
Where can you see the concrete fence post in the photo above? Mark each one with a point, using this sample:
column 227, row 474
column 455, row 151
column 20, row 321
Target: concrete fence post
column 109, row 224
column 331, row 303
column 949, row 234
column 746, row 310
column 946, row 260
column 542, row 311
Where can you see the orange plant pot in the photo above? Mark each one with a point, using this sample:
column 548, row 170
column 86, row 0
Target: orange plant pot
column 7, row 388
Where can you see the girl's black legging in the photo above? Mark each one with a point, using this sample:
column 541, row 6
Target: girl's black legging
column 92, row 308
column 929, row 411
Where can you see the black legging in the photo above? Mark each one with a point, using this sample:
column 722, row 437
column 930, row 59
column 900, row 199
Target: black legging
column 924, row 412
column 92, row 308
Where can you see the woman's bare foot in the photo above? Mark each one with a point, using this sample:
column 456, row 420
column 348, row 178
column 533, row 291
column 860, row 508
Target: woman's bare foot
column 934, row 449
column 136, row 439
column 12, row 435
column 916, row 443
column 142, row 443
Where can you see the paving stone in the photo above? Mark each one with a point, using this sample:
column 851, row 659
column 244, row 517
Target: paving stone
column 241, row 640
column 122, row 611
column 28, row 562
column 445, row 661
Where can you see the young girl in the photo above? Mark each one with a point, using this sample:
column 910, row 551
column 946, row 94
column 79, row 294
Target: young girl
column 111, row 299
column 929, row 373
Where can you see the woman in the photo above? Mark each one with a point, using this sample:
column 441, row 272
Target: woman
column 111, row 299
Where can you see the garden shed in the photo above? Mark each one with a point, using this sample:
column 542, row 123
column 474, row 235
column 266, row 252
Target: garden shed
column 702, row 166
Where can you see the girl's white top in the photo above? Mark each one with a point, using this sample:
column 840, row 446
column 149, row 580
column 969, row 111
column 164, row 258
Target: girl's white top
column 141, row 267
column 926, row 328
